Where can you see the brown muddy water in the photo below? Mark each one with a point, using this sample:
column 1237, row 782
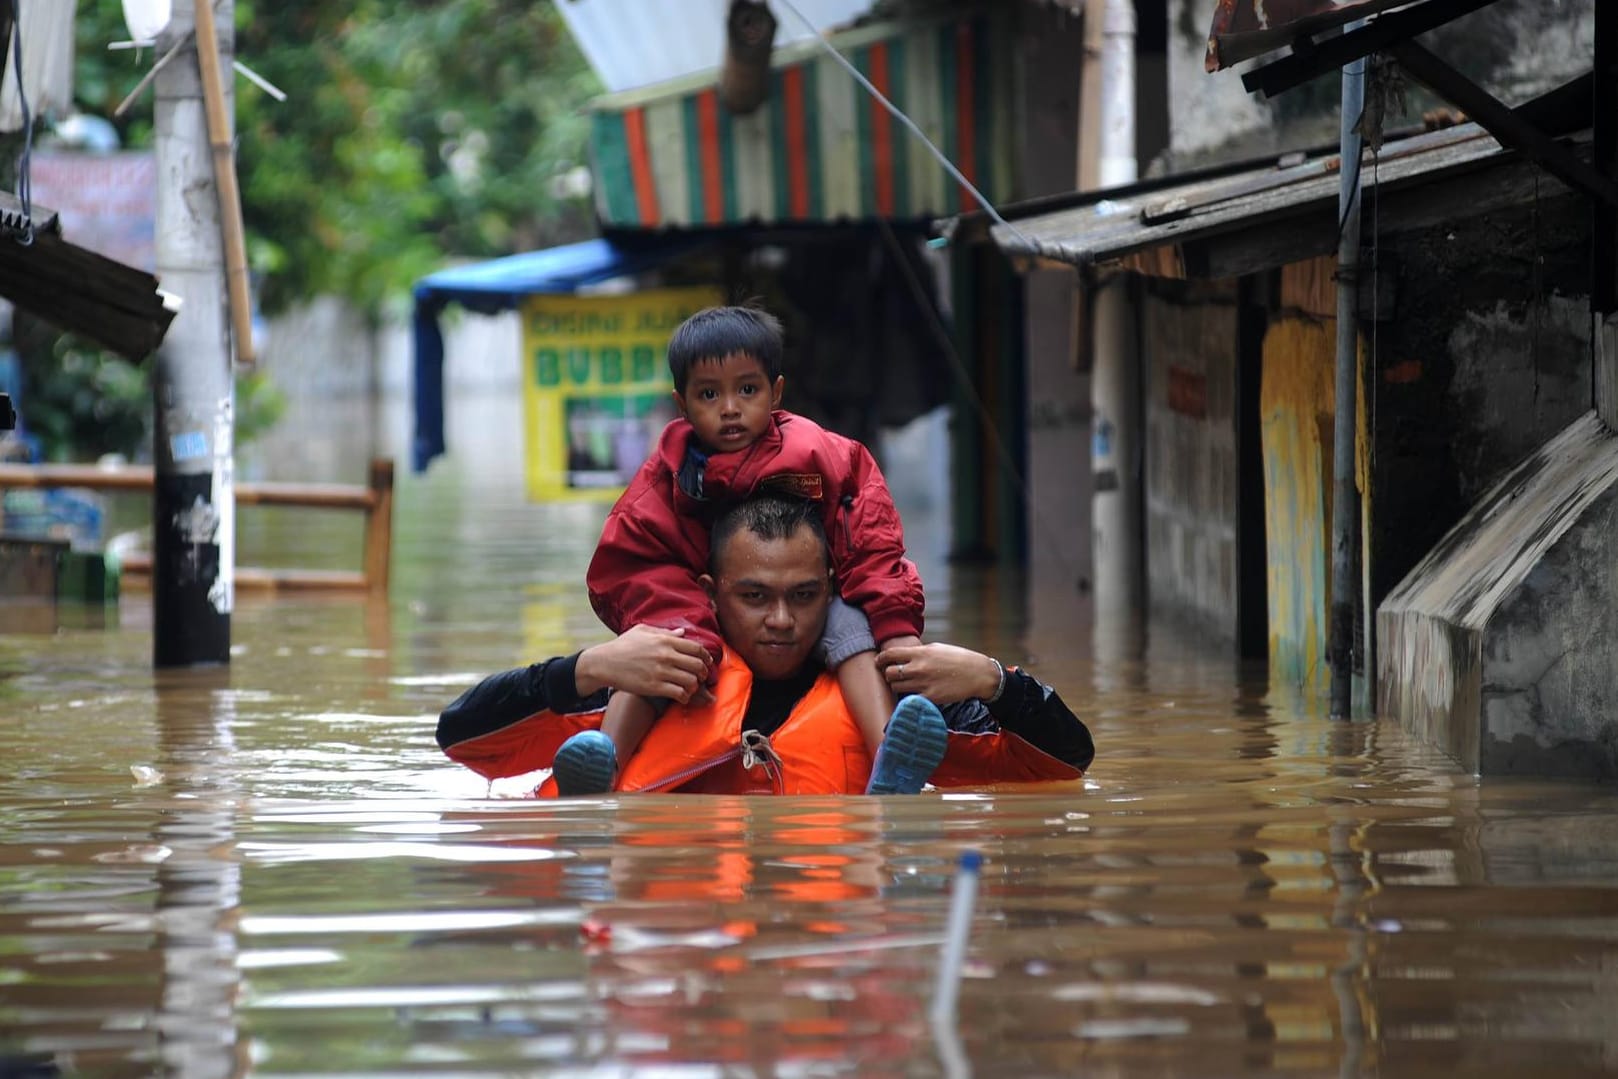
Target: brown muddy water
column 270, row 870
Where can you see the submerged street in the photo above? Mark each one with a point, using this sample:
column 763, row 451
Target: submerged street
column 271, row 869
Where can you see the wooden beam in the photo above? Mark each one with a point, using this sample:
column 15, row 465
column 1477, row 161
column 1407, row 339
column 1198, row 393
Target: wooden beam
column 1311, row 58
column 1502, row 123
column 81, row 291
column 1603, row 98
column 1312, row 230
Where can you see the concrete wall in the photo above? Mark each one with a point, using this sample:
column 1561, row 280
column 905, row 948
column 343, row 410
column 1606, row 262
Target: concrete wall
column 1058, row 434
column 1498, row 647
column 1189, row 344
column 1487, row 357
column 329, row 347
column 1057, row 394
column 1514, row 48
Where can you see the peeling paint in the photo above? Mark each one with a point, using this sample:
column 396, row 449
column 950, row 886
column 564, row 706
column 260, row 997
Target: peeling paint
column 1296, row 406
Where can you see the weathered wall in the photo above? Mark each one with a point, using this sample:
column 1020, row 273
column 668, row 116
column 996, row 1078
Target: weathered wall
column 1058, row 434
column 1296, row 403
column 1498, row 647
column 1189, row 343
column 1549, row 683
column 1486, row 358
column 1058, row 395
column 1515, row 48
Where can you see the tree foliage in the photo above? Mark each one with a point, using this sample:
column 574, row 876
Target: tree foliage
column 414, row 130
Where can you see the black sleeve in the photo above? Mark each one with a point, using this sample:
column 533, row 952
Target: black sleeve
column 1034, row 712
column 502, row 699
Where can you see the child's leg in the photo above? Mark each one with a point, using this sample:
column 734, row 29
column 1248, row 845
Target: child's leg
column 847, row 648
column 868, row 697
column 629, row 716
column 588, row 762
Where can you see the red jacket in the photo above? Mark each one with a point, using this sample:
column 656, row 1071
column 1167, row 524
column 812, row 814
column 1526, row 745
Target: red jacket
column 655, row 542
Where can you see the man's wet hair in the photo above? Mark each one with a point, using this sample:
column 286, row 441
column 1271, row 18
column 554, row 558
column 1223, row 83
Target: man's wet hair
column 714, row 333
column 769, row 517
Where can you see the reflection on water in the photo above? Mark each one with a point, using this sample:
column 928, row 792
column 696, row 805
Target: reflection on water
column 294, row 881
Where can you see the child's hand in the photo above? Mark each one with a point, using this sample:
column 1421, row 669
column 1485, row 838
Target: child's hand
column 646, row 661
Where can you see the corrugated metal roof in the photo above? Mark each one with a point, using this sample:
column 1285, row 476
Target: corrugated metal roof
column 1267, row 216
column 1243, row 29
column 632, row 43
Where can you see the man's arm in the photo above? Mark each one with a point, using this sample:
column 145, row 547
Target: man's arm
column 513, row 696
column 512, row 723
column 645, row 660
column 977, row 695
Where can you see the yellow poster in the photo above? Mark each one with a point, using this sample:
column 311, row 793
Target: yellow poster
column 596, row 386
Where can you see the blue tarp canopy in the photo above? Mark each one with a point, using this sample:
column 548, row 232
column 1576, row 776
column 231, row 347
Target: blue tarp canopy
column 500, row 285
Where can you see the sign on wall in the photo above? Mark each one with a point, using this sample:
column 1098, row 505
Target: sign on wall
column 596, row 386
column 107, row 202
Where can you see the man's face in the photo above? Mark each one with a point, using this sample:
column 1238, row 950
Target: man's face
column 771, row 597
column 728, row 401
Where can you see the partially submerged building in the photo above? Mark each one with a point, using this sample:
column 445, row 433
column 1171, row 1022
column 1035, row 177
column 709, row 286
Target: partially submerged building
column 1483, row 447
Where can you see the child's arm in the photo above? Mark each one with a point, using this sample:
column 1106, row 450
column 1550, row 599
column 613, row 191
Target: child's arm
column 645, row 573
column 873, row 573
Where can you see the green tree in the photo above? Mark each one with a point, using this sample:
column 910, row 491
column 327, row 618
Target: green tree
column 414, row 129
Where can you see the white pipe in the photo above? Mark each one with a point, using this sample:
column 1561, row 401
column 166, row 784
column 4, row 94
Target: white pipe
column 1118, row 165
column 956, row 930
column 1117, row 451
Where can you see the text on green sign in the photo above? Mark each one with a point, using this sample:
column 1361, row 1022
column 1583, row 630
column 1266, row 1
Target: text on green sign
column 605, row 366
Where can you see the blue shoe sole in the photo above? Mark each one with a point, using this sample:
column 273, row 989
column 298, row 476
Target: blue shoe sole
column 585, row 764
column 911, row 748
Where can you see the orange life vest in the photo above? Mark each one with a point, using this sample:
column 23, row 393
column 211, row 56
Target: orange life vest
column 704, row 750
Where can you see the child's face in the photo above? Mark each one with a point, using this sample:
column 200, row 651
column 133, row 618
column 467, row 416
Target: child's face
column 728, row 401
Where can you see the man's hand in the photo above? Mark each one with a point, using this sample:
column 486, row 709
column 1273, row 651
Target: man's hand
column 646, row 661
column 943, row 673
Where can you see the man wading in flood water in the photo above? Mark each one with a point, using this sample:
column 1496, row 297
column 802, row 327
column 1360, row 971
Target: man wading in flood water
column 776, row 722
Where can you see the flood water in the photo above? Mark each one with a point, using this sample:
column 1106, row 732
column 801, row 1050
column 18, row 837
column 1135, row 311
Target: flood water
column 271, row 870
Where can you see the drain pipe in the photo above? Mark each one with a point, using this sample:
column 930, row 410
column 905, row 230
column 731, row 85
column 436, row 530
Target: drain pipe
column 1345, row 502
column 1115, row 387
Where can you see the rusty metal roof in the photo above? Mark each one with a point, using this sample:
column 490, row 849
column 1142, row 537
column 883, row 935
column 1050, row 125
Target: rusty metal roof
column 1243, row 29
column 1268, row 215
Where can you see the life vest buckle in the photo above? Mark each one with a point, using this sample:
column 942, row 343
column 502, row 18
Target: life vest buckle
column 757, row 751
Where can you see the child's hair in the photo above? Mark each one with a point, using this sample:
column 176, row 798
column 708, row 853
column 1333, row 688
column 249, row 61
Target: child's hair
column 716, row 332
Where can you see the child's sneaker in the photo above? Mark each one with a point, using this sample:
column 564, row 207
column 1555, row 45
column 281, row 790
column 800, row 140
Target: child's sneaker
column 911, row 748
column 585, row 764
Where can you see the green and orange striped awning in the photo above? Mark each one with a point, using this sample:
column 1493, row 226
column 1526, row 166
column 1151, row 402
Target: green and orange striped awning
column 820, row 149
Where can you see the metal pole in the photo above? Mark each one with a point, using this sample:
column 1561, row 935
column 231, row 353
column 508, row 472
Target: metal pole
column 193, row 505
column 1344, row 566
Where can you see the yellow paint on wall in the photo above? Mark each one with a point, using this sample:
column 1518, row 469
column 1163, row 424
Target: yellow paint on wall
column 1296, row 406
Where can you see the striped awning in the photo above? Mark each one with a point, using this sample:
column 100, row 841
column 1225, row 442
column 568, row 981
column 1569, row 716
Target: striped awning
column 820, row 149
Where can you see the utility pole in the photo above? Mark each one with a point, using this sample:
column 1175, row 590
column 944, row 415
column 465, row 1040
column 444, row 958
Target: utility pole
column 1345, row 573
column 193, row 500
